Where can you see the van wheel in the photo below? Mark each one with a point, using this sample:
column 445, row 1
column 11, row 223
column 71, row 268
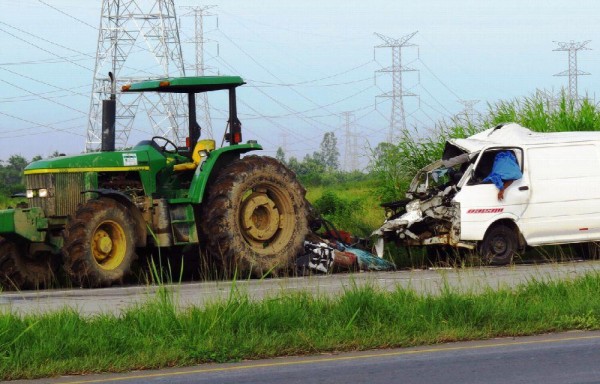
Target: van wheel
column 499, row 245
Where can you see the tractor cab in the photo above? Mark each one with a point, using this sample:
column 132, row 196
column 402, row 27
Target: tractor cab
column 192, row 86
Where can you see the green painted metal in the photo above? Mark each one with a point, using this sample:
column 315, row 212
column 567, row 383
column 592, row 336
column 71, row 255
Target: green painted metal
column 143, row 158
column 186, row 84
column 7, row 221
column 29, row 223
column 204, row 171
column 183, row 224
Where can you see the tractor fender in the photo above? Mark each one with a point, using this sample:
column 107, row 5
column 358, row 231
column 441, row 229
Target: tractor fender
column 140, row 223
column 210, row 168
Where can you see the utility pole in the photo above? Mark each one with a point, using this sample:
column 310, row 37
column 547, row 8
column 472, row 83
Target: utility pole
column 572, row 47
column 351, row 144
column 137, row 31
column 398, row 117
column 200, row 68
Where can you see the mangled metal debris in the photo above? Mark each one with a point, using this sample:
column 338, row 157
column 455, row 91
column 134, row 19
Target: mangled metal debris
column 329, row 257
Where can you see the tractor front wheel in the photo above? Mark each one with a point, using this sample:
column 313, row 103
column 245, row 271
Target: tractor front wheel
column 99, row 244
column 20, row 271
column 255, row 217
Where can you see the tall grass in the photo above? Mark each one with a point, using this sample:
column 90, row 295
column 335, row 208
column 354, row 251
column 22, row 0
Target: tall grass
column 352, row 207
column 158, row 334
column 397, row 163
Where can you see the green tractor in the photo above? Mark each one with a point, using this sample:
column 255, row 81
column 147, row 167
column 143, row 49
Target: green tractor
column 91, row 215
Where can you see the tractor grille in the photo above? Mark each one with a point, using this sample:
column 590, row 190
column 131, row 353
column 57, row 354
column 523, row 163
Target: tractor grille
column 64, row 192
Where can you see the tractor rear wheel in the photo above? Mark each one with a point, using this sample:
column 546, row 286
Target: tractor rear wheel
column 99, row 244
column 19, row 271
column 255, row 217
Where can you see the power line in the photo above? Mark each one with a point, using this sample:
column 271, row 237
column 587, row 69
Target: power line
column 438, row 79
column 319, row 79
column 270, row 73
column 68, row 15
column 40, row 48
column 38, row 125
column 271, row 85
column 43, row 82
column 45, row 98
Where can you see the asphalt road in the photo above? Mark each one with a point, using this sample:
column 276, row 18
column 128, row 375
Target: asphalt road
column 566, row 358
column 114, row 300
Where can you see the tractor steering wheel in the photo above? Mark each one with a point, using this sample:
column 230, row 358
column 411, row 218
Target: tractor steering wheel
column 163, row 148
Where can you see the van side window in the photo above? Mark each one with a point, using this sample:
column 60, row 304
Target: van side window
column 486, row 162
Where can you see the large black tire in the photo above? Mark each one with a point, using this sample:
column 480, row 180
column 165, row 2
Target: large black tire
column 99, row 244
column 19, row 271
column 499, row 245
column 255, row 217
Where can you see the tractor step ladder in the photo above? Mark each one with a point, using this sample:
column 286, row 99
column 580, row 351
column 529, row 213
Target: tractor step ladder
column 183, row 224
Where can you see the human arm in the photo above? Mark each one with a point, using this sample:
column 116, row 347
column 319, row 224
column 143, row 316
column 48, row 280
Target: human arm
column 506, row 184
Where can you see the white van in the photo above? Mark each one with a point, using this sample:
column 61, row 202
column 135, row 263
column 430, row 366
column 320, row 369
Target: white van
column 556, row 201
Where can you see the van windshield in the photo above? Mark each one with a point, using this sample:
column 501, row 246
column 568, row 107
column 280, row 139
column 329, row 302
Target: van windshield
column 439, row 175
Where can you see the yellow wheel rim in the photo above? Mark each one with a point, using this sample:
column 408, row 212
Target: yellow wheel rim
column 266, row 218
column 109, row 245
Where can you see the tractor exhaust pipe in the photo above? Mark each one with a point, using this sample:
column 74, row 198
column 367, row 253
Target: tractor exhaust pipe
column 109, row 115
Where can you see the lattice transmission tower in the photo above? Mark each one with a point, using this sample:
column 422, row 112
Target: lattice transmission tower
column 398, row 116
column 468, row 112
column 200, row 68
column 351, row 142
column 573, row 72
column 137, row 39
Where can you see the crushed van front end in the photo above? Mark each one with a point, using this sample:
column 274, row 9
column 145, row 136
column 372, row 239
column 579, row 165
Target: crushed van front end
column 429, row 215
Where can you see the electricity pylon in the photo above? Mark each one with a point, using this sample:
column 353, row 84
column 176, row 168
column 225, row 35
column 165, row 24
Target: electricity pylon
column 351, row 143
column 132, row 34
column 469, row 109
column 199, row 67
column 398, row 116
column 572, row 47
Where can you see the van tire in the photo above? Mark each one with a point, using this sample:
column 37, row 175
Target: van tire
column 499, row 245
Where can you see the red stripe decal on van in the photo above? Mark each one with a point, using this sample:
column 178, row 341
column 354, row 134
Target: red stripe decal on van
column 583, row 229
column 486, row 210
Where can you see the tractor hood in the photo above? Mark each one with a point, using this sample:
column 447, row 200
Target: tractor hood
column 139, row 158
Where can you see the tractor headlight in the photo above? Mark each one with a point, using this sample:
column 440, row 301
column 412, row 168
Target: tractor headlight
column 31, row 193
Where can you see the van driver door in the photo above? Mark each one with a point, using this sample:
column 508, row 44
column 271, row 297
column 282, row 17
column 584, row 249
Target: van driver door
column 479, row 203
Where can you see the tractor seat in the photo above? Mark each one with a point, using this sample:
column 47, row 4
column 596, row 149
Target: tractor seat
column 201, row 150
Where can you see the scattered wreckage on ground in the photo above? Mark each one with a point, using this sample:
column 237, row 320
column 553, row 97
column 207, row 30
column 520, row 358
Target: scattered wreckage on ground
column 453, row 204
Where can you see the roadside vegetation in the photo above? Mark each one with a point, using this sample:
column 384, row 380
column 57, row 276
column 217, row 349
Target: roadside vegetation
column 158, row 334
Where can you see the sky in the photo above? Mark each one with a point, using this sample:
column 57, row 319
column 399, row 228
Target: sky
column 305, row 63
